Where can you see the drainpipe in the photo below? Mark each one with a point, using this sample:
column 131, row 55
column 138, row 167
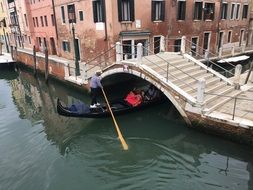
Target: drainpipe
column 55, row 24
column 106, row 35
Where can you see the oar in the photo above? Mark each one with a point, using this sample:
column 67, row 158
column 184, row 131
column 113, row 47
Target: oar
column 122, row 140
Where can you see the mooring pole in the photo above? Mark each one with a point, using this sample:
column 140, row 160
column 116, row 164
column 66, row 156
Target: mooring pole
column 46, row 64
column 34, row 61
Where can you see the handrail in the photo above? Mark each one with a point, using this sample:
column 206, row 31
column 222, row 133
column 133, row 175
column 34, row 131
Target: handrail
column 209, row 52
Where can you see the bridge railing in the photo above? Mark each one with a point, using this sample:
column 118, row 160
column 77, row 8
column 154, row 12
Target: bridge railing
column 235, row 102
column 149, row 52
column 197, row 53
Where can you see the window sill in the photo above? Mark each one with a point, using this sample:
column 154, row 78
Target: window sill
column 208, row 20
column 197, row 20
column 126, row 22
column 181, row 20
column 158, row 21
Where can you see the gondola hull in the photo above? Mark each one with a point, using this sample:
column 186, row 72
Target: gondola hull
column 119, row 107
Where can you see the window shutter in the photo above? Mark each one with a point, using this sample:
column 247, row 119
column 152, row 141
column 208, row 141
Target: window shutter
column 103, row 10
column 163, row 11
column 120, row 10
column 153, row 11
column 131, row 10
column 184, row 10
column 95, row 16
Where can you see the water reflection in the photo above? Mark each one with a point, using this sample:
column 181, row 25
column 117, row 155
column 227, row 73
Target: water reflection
column 163, row 152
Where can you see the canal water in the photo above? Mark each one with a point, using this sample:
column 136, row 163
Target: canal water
column 44, row 151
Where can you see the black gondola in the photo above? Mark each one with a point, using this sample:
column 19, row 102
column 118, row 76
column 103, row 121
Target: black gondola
column 118, row 107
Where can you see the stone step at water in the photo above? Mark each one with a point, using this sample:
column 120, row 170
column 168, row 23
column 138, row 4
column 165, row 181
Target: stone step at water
column 221, row 91
column 221, row 101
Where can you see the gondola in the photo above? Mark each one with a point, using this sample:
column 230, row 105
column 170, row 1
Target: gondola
column 118, row 107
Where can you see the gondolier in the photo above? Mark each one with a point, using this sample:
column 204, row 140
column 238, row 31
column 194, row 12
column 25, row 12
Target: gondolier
column 95, row 85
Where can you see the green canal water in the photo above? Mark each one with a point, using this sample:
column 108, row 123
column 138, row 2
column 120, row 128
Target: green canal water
column 40, row 150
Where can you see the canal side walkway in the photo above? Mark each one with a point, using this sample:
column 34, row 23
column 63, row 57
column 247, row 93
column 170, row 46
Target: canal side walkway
column 6, row 58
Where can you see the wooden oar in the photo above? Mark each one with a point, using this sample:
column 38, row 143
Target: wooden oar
column 122, row 140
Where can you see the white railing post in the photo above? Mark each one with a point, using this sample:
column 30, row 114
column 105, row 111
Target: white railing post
column 66, row 70
column 220, row 52
column 251, row 78
column 84, row 72
column 182, row 47
column 139, row 53
column 201, row 91
column 118, row 53
column 238, row 71
column 243, row 48
column 162, row 44
column 233, row 51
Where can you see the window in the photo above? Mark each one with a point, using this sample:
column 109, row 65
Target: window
column 126, row 10
column 232, row 16
column 37, row 22
column 71, row 13
column 45, row 18
column 81, row 15
column 158, row 10
column 52, row 20
column 63, row 14
column 98, row 11
column 41, row 20
column 229, row 36
column 66, row 46
column 181, row 10
column 34, row 22
column 224, row 11
column 26, row 23
column 177, row 45
column 245, row 11
column 209, row 11
column 237, row 11
column 29, row 39
column 194, row 45
column 198, row 11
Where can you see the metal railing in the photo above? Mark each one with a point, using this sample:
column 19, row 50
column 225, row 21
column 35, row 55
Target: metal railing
column 235, row 100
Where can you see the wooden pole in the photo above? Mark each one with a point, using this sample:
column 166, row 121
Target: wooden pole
column 34, row 61
column 46, row 64
column 122, row 140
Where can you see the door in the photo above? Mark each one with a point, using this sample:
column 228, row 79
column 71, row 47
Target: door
column 53, row 47
column 194, row 46
column 220, row 40
column 206, row 41
column 241, row 37
column 157, row 44
column 77, row 49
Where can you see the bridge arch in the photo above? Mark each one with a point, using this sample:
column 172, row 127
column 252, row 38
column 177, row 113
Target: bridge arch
column 175, row 99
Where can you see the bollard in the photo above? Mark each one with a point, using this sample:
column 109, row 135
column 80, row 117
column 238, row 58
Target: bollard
column 162, row 44
column 233, row 51
column 34, row 61
column 182, row 47
column 139, row 53
column 66, row 70
column 118, row 53
column 46, row 64
column 201, row 91
column 238, row 71
column 220, row 52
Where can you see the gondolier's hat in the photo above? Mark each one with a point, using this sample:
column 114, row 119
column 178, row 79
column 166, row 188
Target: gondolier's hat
column 98, row 72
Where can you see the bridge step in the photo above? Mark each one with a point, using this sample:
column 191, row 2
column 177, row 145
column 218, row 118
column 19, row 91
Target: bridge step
column 187, row 76
column 212, row 83
column 225, row 90
column 178, row 63
column 221, row 101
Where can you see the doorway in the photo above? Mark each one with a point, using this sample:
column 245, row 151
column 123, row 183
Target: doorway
column 77, row 49
column 194, row 46
column 53, row 47
column 220, row 40
column 157, row 44
column 241, row 37
column 206, row 41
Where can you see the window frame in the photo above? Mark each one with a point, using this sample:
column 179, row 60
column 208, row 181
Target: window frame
column 63, row 17
column 129, row 12
column 198, row 15
column 80, row 12
column 212, row 15
column 66, row 46
column 98, row 11
column 224, row 13
column 181, row 10
column 68, row 11
column 157, row 13
column 245, row 12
